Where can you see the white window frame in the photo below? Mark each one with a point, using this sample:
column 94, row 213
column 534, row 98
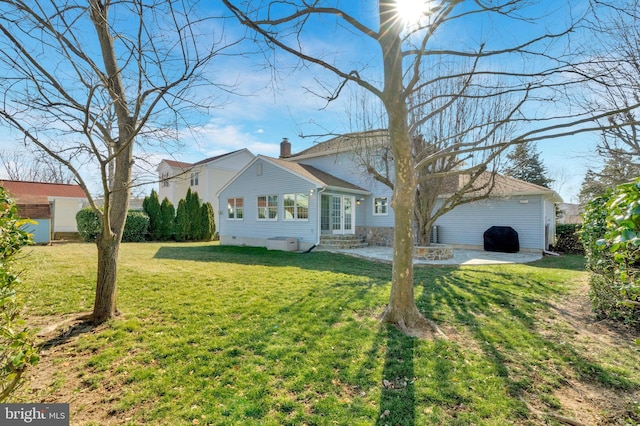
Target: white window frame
column 271, row 203
column 232, row 208
column 385, row 204
column 195, row 178
column 297, row 196
column 164, row 177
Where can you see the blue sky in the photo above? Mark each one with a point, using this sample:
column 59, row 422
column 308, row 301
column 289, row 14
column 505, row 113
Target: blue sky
column 272, row 106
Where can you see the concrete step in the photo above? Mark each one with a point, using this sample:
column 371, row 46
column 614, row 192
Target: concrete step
column 341, row 242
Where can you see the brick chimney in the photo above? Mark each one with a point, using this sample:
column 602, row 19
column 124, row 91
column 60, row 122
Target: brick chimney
column 285, row 148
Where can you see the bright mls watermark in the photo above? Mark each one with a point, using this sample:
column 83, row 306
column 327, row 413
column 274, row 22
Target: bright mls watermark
column 34, row 414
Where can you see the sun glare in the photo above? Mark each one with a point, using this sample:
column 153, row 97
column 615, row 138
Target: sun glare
column 411, row 11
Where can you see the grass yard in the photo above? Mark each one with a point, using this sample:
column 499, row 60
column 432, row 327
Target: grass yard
column 244, row 336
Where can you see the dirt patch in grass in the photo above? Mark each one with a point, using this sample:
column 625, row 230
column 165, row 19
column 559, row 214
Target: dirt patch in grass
column 587, row 402
column 58, row 377
column 61, row 374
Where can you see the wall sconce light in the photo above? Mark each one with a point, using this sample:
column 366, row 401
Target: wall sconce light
column 311, row 192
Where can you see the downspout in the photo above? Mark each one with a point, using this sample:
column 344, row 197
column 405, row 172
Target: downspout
column 52, row 211
column 319, row 209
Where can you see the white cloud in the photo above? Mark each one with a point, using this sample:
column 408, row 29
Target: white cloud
column 219, row 136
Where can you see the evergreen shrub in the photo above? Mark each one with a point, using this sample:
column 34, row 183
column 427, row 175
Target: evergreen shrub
column 17, row 351
column 89, row 226
column 136, row 227
column 611, row 239
column 167, row 220
column 568, row 239
column 151, row 206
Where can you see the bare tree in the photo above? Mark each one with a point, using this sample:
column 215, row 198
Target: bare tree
column 89, row 82
column 400, row 64
column 616, row 38
column 19, row 164
column 465, row 113
column 616, row 61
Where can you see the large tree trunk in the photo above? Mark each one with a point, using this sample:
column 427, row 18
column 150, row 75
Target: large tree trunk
column 116, row 182
column 401, row 310
column 105, row 305
column 108, row 242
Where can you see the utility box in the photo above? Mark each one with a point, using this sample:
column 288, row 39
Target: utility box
column 282, row 243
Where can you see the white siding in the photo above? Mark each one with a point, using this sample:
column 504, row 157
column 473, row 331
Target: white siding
column 466, row 224
column 272, row 181
column 64, row 213
column 342, row 166
column 212, row 177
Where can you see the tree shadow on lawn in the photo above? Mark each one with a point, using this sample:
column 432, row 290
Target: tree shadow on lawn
column 570, row 262
column 397, row 400
column 499, row 314
column 491, row 306
column 318, row 260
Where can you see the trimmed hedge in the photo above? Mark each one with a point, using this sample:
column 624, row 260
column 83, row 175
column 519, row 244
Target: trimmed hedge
column 611, row 238
column 89, row 226
column 136, row 227
column 568, row 239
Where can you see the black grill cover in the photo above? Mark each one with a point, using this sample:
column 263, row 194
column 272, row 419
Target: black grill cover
column 501, row 238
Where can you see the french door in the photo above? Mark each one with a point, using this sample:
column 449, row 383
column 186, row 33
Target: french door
column 341, row 218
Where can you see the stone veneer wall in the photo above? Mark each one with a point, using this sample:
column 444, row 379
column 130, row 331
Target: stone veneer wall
column 376, row 236
column 434, row 252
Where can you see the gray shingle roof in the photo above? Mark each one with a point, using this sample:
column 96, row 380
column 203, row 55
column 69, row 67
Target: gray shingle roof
column 316, row 175
column 347, row 142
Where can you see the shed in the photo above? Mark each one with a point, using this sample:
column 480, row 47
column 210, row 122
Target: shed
column 38, row 209
column 53, row 206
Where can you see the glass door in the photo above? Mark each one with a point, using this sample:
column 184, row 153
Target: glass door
column 342, row 219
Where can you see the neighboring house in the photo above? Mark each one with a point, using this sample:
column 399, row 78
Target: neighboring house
column 205, row 177
column 570, row 213
column 52, row 206
column 321, row 192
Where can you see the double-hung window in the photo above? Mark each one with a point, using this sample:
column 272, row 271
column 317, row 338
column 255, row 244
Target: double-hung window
column 164, row 177
column 267, row 207
column 380, row 206
column 235, row 209
column 296, row 206
column 194, row 178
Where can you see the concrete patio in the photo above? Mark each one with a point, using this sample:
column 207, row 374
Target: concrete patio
column 460, row 256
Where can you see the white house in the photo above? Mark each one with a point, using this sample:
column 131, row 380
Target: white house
column 321, row 192
column 52, row 206
column 205, row 177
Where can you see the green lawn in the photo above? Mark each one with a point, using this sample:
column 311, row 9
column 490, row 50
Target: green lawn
column 223, row 335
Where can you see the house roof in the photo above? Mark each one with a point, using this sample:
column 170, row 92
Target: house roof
column 317, row 177
column 344, row 143
column 504, row 186
column 184, row 165
column 178, row 164
column 311, row 173
column 22, row 189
